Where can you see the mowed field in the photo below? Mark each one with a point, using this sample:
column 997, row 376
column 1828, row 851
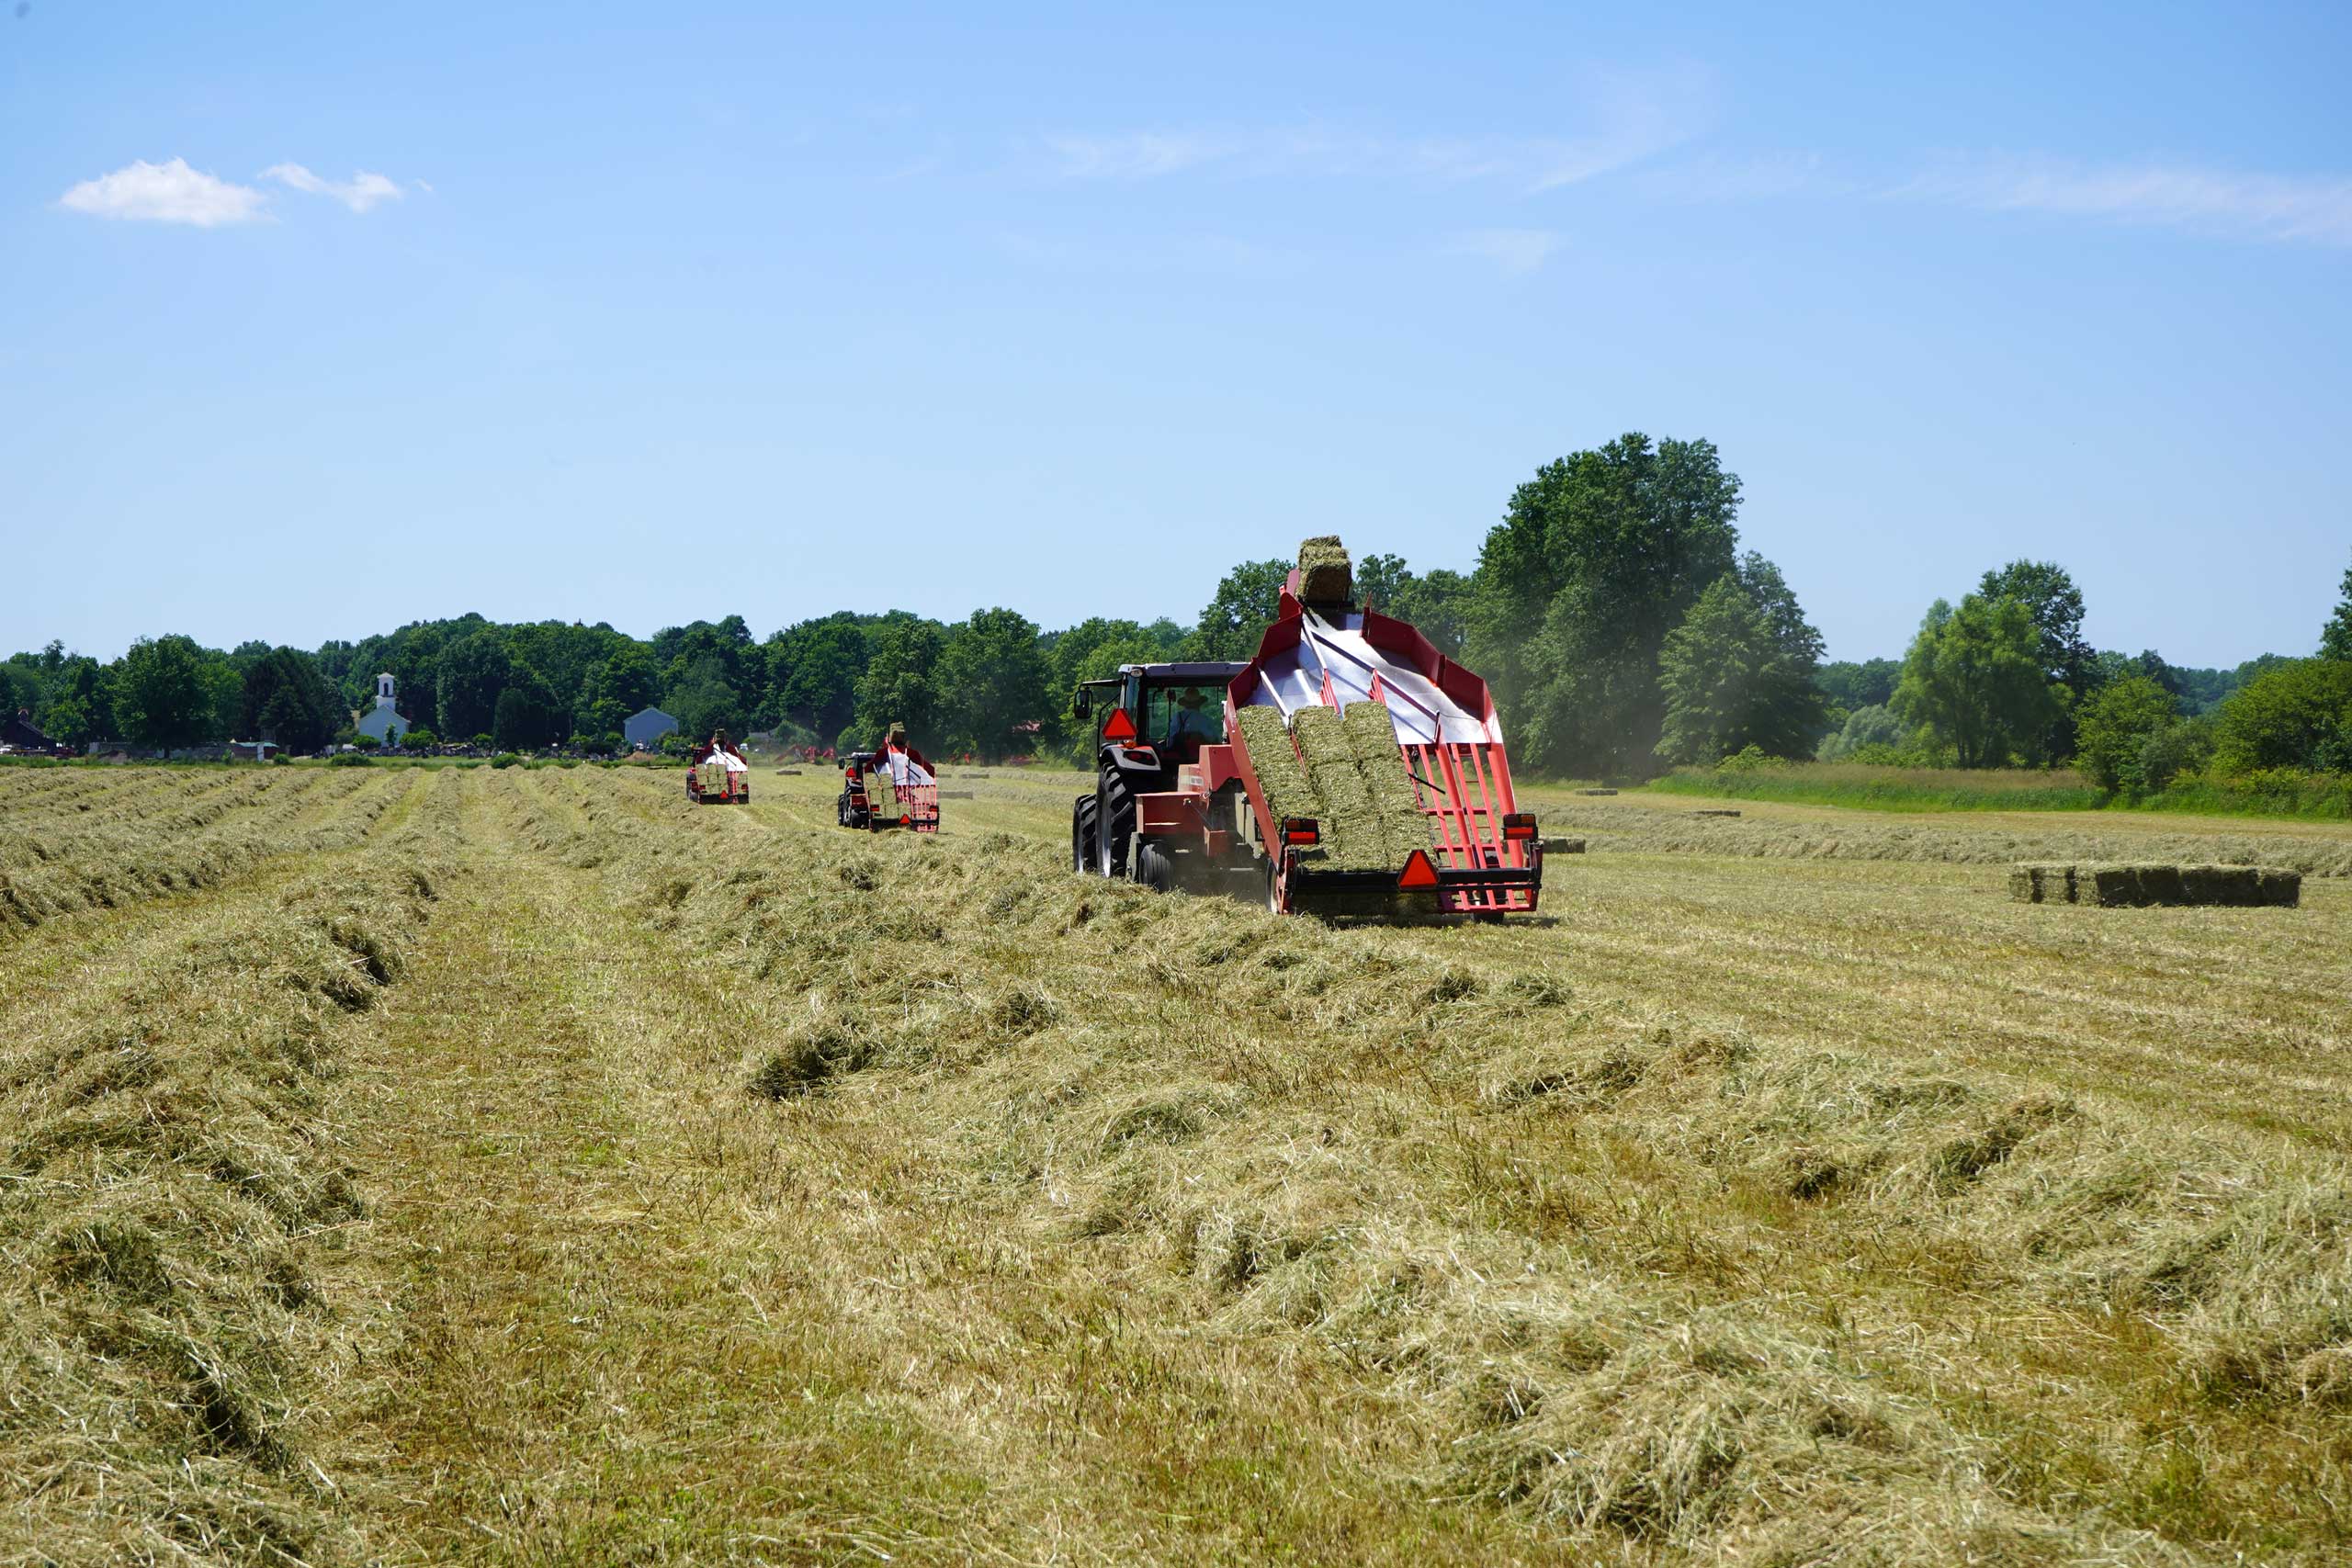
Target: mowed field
column 529, row 1167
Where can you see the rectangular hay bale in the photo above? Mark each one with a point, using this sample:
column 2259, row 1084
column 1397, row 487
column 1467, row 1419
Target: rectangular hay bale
column 1326, row 576
column 1370, row 731
column 2156, row 885
column 1280, row 775
column 1355, row 836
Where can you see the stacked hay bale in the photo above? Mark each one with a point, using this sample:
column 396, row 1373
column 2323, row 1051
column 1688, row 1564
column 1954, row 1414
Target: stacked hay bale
column 1370, row 732
column 1354, row 835
column 1324, row 574
column 1280, row 774
column 2119, row 885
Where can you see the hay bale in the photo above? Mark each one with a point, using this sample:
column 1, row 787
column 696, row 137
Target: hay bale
column 1371, row 734
column 1280, row 774
column 1596, row 792
column 2043, row 884
column 1355, row 834
column 1324, row 574
column 2155, row 885
column 1559, row 846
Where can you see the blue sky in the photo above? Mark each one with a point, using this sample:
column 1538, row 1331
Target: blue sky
column 600, row 312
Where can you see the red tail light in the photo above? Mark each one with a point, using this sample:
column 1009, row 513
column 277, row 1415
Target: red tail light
column 1301, row 830
column 1418, row 872
column 1519, row 825
column 1119, row 727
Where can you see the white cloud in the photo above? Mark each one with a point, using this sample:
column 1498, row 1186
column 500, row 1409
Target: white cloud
column 166, row 193
column 1632, row 116
column 1517, row 251
column 359, row 193
column 2312, row 209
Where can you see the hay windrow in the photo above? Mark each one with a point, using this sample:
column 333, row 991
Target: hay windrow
column 162, row 1343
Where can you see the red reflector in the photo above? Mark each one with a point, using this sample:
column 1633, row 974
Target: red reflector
column 904, row 820
column 1418, row 872
column 1301, row 830
column 1119, row 727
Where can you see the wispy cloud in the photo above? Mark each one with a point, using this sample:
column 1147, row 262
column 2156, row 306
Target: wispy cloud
column 1517, row 251
column 1626, row 117
column 2312, row 208
column 359, row 193
column 166, row 193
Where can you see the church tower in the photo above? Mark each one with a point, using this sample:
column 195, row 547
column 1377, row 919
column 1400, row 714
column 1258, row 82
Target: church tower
column 383, row 691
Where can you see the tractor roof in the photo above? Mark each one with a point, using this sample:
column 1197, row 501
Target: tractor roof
column 1199, row 672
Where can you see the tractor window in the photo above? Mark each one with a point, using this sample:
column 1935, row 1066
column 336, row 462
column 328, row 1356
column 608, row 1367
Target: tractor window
column 1185, row 719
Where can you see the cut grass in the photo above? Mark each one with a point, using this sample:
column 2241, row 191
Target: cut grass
column 1865, row 788
column 1756, row 1211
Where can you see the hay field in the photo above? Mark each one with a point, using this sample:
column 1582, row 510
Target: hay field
column 530, row 1167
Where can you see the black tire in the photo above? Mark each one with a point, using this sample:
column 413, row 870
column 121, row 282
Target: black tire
column 1114, row 825
column 1274, row 885
column 1155, row 867
column 1081, row 835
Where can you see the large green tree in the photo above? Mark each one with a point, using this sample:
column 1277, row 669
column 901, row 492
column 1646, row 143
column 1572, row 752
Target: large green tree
column 1238, row 615
column 1597, row 558
column 2112, row 727
column 816, row 666
column 161, row 694
column 1736, row 675
column 472, row 671
column 991, row 678
column 286, row 699
column 2049, row 593
column 527, row 714
column 900, row 683
column 2335, row 637
column 1974, row 680
column 2285, row 716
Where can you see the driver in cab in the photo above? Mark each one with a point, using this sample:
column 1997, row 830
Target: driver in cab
column 1190, row 719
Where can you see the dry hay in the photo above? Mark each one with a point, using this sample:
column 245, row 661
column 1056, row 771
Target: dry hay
column 165, row 1347
column 1592, row 1267
column 1355, row 832
column 1955, row 840
column 2147, row 884
column 1324, row 574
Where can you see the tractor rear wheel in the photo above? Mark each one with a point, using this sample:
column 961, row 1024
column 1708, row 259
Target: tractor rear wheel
column 1081, row 835
column 1114, row 825
column 1274, row 885
column 1154, row 867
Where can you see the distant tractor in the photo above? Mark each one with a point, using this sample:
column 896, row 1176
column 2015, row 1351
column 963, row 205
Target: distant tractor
column 893, row 786
column 1179, row 800
column 718, row 776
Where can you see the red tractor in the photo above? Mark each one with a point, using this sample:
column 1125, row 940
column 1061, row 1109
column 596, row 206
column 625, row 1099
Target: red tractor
column 718, row 776
column 1178, row 802
column 894, row 787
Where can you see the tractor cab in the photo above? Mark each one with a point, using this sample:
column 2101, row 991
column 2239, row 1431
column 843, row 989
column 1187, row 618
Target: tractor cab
column 1170, row 711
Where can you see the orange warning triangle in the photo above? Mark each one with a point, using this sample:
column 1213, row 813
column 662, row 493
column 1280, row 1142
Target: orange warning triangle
column 1418, row 872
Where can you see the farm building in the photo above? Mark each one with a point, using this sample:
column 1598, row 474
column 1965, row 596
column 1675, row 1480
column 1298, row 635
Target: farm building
column 647, row 727
column 18, row 734
column 382, row 721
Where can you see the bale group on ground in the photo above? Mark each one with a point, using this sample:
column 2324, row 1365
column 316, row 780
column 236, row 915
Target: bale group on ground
column 2122, row 885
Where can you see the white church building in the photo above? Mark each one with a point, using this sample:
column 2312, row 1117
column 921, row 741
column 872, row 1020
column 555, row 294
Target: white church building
column 380, row 721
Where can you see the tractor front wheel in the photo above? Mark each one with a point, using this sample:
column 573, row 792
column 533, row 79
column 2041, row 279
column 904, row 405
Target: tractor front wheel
column 1114, row 825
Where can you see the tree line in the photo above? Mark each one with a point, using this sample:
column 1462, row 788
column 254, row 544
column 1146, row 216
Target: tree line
column 1623, row 629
